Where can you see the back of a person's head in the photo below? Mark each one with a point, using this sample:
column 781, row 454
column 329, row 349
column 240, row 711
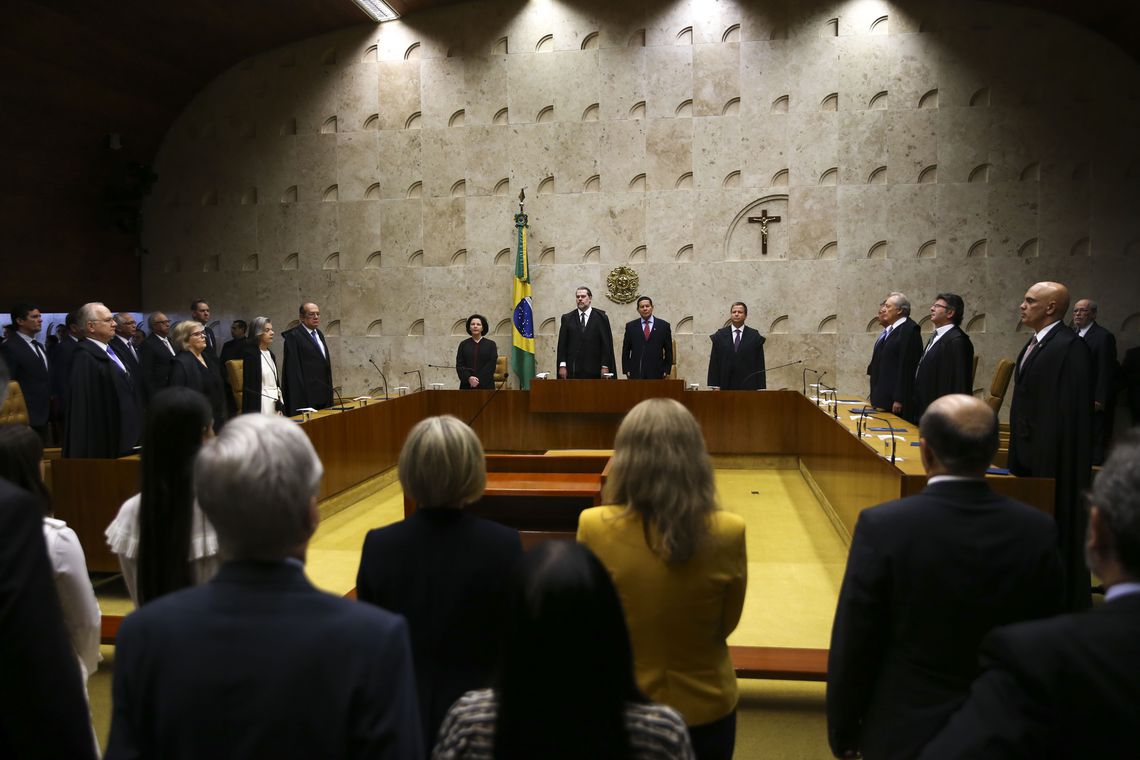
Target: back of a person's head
column 177, row 419
column 661, row 470
column 256, row 482
column 1116, row 494
column 21, row 452
column 442, row 463
column 962, row 433
column 563, row 601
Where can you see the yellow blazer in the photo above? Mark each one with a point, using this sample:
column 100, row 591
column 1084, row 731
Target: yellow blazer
column 679, row 615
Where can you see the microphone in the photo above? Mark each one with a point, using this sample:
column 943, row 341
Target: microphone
column 336, row 390
column 803, row 377
column 769, row 369
column 834, row 396
column 490, row 398
column 382, row 376
column 258, row 392
column 417, row 374
column 894, row 441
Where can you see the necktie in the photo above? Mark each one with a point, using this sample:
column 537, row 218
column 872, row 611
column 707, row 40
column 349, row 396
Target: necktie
column 883, row 335
column 40, row 351
column 930, row 342
column 736, row 340
column 1028, row 350
column 582, row 323
column 114, row 357
column 317, row 340
column 646, row 329
column 166, row 343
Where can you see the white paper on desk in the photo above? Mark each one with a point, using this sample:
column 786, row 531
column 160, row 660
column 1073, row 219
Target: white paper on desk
column 857, row 416
column 889, row 436
column 897, row 459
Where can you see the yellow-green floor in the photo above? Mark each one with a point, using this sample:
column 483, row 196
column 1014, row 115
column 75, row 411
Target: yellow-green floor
column 795, row 566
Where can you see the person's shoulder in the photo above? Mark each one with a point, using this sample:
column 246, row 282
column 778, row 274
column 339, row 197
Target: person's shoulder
column 728, row 522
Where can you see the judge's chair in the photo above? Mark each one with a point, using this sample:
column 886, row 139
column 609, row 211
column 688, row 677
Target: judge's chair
column 15, row 410
column 234, row 369
column 502, row 372
column 995, row 395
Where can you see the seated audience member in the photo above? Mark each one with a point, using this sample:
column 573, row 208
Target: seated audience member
column 583, row 701
column 42, row 710
column 442, row 568
column 258, row 663
column 261, row 388
column 927, row 577
column 680, row 567
column 21, row 454
column 190, row 369
column 1068, row 686
column 163, row 541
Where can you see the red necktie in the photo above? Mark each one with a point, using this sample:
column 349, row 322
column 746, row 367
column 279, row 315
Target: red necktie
column 646, row 330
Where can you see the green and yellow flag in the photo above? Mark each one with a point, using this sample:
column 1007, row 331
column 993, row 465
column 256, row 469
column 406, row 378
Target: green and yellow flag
column 522, row 330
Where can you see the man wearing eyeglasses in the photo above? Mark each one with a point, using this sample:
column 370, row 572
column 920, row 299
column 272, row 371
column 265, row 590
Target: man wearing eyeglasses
column 947, row 362
column 306, row 367
column 1102, row 343
column 155, row 355
column 104, row 409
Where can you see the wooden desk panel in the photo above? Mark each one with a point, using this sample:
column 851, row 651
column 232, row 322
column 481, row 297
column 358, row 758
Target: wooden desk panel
column 599, row 396
column 746, row 422
column 87, row 494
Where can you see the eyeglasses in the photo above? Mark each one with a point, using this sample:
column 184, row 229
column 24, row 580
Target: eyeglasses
column 199, row 334
column 939, row 306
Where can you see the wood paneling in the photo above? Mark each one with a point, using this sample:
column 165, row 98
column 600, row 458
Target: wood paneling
column 87, row 494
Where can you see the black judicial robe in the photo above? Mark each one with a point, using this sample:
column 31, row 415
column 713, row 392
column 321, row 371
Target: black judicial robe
column 479, row 360
column 305, row 372
column 104, row 410
column 948, row 367
column 893, row 364
column 585, row 352
column 1050, row 435
column 737, row 370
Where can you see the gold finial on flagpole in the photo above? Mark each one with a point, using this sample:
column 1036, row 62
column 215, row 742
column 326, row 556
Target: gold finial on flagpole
column 522, row 197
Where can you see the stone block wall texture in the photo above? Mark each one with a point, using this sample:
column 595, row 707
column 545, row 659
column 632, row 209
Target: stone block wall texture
column 918, row 146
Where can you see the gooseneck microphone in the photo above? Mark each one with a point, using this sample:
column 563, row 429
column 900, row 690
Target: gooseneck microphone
column 419, row 375
column 803, row 377
column 894, row 441
column 834, row 403
column 769, row 369
column 490, row 398
column 382, row 376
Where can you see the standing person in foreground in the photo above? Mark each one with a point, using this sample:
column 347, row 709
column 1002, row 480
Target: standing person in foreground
column 584, row 703
column 895, row 357
column 947, row 364
column 585, row 342
column 679, row 565
column 442, row 568
column 736, row 360
column 647, row 349
column 306, row 369
column 1068, row 686
column 42, row 709
column 258, row 663
column 1102, row 344
column 1050, row 424
column 927, row 577
column 475, row 358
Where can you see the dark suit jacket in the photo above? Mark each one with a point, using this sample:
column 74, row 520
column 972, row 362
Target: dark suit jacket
column 28, row 369
column 448, row 573
column 650, row 359
column 892, row 367
column 251, row 378
column 258, row 663
column 235, row 349
column 132, row 363
column 927, row 577
column 187, row 371
column 483, row 367
column 1060, row 688
column 1102, row 343
column 1050, row 431
column 154, row 361
column 948, row 367
column 586, row 352
column 43, row 711
column 737, row 370
column 104, row 408
column 306, row 375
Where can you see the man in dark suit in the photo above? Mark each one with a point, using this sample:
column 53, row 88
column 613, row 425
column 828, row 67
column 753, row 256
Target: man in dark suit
column 947, row 364
column 123, row 345
column 585, row 342
column 234, row 348
column 647, row 349
column 736, row 359
column 1102, row 343
column 1050, row 423
column 200, row 312
column 104, row 408
column 155, row 355
column 895, row 357
column 306, row 367
column 258, row 663
column 927, row 577
column 43, row 711
column 1069, row 686
column 29, row 366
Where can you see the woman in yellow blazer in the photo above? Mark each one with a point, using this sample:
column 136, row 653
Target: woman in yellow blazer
column 679, row 565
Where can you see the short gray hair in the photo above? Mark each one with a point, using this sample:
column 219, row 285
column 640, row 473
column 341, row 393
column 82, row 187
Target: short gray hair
column 255, row 482
column 121, row 318
column 1116, row 492
column 442, row 463
column 87, row 313
column 902, row 302
column 150, row 320
column 257, row 327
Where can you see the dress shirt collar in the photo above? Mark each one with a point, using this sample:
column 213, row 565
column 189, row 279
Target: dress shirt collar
column 643, row 321
column 897, row 322
column 1086, row 328
column 27, row 339
column 589, row 310
column 1045, row 331
column 952, row 479
column 1118, row 590
column 101, row 344
column 940, row 331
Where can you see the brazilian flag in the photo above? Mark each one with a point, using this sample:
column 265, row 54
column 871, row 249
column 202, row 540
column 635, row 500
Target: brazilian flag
column 522, row 332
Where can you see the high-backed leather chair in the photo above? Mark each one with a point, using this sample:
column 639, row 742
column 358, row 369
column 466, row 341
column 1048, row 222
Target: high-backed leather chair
column 234, row 370
column 502, row 371
column 999, row 385
column 673, row 369
column 14, row 411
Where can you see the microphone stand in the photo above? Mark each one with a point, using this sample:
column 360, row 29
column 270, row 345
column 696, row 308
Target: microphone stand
column 894, row 441
column 382, row 376
column 769, row 369
column 419, row 375
column 834, row 396
column 803, row 377
column 490, row 398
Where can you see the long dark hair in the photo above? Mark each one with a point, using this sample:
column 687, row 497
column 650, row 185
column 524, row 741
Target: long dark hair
column 20, row 453
column 564, row 604
column 175, row 422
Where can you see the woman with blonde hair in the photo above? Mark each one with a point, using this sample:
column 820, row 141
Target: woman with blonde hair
column 680, row 567
column 189, row 369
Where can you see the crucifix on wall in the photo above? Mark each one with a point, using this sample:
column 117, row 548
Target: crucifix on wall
column 763, row 220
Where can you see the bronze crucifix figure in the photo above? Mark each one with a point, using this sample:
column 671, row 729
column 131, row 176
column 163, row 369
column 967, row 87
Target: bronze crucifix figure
column 763, row 220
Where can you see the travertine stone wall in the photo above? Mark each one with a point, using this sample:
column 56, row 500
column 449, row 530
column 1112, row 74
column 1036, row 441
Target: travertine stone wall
column 918, row 146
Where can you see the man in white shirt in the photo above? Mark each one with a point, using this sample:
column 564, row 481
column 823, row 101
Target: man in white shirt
column 947, row 363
